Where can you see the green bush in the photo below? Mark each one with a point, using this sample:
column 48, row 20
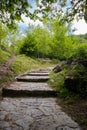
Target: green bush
column 4, row 56
column 70, row 80
column 80, row 51
column 28, row 47
column 57, row 82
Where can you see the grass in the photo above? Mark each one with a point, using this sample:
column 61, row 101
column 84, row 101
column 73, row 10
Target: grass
column 24, row 63
column 4, row 56
column 57, row 82
column 6, row 79
column 21, row 65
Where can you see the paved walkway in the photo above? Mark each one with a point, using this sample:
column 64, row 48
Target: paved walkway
column 29, row 105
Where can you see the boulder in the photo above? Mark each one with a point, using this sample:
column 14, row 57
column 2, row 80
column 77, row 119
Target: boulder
column 60, row 66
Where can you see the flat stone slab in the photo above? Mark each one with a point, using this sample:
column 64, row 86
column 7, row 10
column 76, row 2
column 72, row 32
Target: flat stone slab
column 37, row 74
column 28, row 78
column 34, row 114
column 42, row 70
column 20, row 89
column 29, row 86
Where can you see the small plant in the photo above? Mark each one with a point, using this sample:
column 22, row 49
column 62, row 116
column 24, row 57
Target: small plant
column 57, row 82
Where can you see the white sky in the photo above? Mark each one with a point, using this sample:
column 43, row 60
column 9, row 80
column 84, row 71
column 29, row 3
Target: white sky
column 81, row 27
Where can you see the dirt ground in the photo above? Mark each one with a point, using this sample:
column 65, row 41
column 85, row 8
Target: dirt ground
column 6, row 73
column 77, row 109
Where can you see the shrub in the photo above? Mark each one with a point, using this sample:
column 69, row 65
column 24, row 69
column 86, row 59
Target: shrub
column 71, row 79
column 81, row 51
column 57, row 82
column 76, row 80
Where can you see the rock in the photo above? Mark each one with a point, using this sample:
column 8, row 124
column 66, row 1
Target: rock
column 60, row 66
column 78, row 61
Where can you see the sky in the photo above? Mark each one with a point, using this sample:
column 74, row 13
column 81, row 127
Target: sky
column 80, row 26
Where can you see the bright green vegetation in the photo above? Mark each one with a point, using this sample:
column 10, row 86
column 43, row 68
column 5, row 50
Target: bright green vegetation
column 4, row 56
column 53, row 40
column 24, row 63
column 21, row 65
column 76, row 84
column 57, row 82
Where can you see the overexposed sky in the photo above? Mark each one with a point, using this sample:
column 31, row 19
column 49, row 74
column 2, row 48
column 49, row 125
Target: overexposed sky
column 81, row 27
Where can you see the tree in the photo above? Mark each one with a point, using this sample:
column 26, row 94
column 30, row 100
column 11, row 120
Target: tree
column 76, row 8
column 58, row 39
column 12, row 39
column 42, row 40
column 11, row 11
column 28, row 46
column 3, row 34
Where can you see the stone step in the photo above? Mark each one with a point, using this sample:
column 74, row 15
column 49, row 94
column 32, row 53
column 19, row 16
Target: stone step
column 27, row 93
column 27, row 78
column 22, row 89
column 41, row 71
column 37, row 74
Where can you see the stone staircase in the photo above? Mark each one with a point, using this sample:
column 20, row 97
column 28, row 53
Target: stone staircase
column 30, row 104
column 31, row 84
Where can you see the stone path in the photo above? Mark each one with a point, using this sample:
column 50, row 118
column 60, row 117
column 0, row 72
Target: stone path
column 22, row 109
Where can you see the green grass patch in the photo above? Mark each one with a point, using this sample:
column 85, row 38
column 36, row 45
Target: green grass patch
column 24, row 63
column 6, row 79
column 21, row 65
column 57, row 82
column 4, row 56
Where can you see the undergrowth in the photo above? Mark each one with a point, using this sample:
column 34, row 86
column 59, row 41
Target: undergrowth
column 57, row 82
column 24, row 63
column 4, row 56
column 74, row 103
column 21, row 65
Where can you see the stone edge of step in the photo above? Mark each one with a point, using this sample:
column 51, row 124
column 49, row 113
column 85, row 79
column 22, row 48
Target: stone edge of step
column 28, row 93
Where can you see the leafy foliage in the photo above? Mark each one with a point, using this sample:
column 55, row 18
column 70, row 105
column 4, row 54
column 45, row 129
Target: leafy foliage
column 29, row 46
column 75, row 8
column 12, row 11
column 57, row 82
column 3, row 34
column 47, row 43
column 72, row 79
